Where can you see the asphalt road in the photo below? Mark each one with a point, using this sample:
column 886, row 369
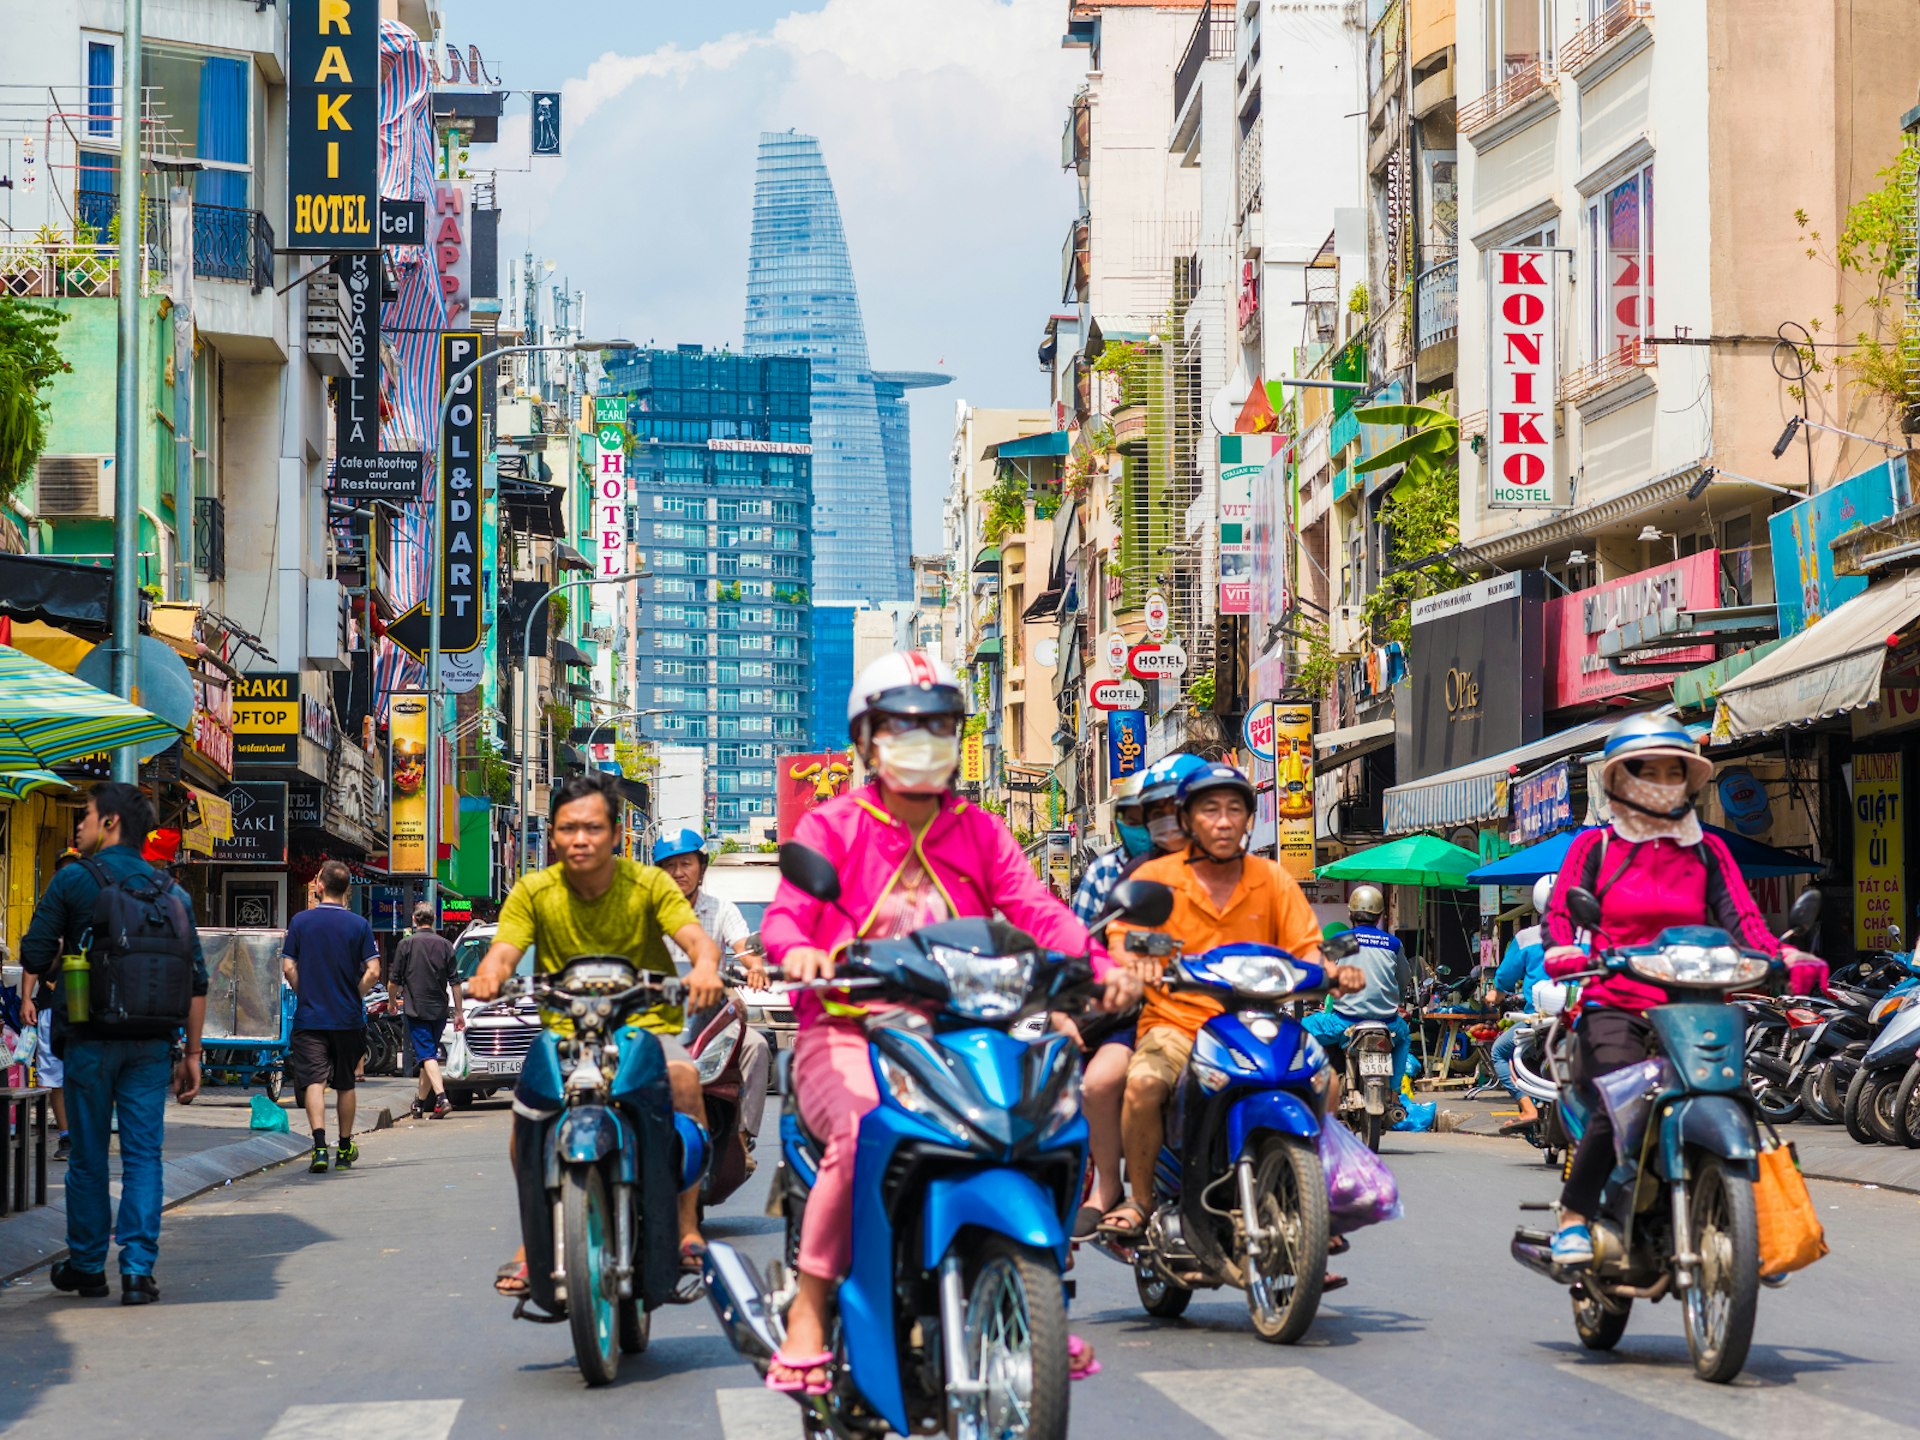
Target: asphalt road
column 360, row 1305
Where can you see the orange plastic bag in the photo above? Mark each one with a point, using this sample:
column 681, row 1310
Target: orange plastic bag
column 1790, row 1234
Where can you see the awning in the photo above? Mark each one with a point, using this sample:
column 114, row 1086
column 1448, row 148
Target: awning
column 49, row 644
column 1049, row 443
column 61, row 592
column 565, row 652
column 1045, row 605
column 987, row 649
column 1354, row 734
column 572, row 559
column 569, row 755
column 1756, row 861
column 533, row 508
column 1829, row 668
column 987, row 562
column 1478, row 790
column 1698, row 689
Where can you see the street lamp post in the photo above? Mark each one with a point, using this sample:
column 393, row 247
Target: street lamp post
column 436, row 590
column 526, row 696
column 126, row 405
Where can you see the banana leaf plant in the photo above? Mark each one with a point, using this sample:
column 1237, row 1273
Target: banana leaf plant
column 1430, row 447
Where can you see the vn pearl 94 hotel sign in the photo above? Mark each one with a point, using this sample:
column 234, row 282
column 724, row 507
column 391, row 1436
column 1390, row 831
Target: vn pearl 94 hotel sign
column 333, row 123
column 1523, row 361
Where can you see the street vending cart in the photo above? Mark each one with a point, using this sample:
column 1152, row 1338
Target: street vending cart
column 249, row 1009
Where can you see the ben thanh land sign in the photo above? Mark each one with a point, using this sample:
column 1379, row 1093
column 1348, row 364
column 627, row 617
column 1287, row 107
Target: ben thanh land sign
column 333, row 126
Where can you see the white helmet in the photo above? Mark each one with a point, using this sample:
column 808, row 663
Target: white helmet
column 1543, row 893
column 907, row 682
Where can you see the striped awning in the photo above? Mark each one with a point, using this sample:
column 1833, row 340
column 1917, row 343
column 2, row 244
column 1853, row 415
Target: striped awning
column 47, row 716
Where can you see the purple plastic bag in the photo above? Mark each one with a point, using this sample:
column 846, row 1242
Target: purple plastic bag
column 1360, row 1189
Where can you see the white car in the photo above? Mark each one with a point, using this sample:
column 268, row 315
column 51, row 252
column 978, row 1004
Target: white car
column 749, row 879
column 499, row 1032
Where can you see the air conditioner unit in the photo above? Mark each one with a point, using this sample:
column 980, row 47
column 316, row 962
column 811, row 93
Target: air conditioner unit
column 73, row 487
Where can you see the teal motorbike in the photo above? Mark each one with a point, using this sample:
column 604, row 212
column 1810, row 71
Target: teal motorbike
column 1677, row 1215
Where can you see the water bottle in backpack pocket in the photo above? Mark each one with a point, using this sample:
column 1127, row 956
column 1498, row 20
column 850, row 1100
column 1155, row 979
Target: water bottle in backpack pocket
column 140, row 950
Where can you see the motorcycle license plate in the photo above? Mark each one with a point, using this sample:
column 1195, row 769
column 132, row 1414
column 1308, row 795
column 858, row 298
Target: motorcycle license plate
column 1373, row 1063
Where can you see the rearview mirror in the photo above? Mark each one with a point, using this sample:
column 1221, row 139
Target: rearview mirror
column 809, row 872
column 1804, row 918
column 1584, row 906
column 1340, row 947
column 1141, row 902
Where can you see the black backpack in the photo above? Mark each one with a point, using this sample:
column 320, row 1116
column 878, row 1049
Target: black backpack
column 140, row 950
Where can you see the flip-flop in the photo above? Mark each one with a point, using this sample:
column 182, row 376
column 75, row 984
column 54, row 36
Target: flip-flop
column 1332, row 1282
column 1086, row 1222
column 801, row 1367
column 1081, row 1364
column 1338, row 1245
column 1126, row 1234
column 511, row 1280
column 1517, row 1126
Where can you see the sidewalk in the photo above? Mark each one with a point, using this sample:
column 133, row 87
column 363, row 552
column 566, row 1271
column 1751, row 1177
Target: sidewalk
column 208, row 1143
column 1826, row 1152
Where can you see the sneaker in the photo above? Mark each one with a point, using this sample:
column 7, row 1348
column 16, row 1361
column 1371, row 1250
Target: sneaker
column 442, row 1107
column 417, row 1110
column 64, row 1148
column 344, row 1157
column 1573, row 1245
column 88, row 1284
column 318, row 1165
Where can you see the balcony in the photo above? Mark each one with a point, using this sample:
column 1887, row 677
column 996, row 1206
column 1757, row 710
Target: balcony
column 1625, row 365
column 1385, row 42
column 52, row 266
column 228, row 244
column 1509, row 107
column 1130, row 427
column 1076, row 141
column 210, row 538
column 1212, row 39
column 1075, row 260
column 1437, row 304
column 1249, row 170
column 1615, row 33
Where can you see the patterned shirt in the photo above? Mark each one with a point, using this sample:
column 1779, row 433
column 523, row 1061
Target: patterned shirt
column 1102, row 875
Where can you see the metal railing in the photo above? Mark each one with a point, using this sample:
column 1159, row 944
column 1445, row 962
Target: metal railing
column 1437, row 304
column 1617, row 364
column 228, row 243
column 1250, row 170
column 1593, row 37
column 1526, row 81
column 1212, row 39
column 210, row 537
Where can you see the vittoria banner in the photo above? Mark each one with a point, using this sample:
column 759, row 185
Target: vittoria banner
column 1523, row 362
column 333, row 126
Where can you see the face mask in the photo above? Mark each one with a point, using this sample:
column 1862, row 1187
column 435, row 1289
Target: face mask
column 1136, row 839
column 1659, row 802
column 918, row 762
column 1166, row 832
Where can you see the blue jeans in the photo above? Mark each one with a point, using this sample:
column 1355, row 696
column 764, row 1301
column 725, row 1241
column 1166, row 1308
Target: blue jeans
column 1502, row 1053
column 131, row 1076
column 1329, row 1027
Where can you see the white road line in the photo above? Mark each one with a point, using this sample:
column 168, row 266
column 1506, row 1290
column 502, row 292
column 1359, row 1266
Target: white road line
column 1259, row 1404
column 372, row 1420
column 1743, row 1409
column 757, row 1414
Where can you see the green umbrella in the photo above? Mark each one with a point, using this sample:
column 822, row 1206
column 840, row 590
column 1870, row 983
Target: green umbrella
column 47, row 716
column 1410, row 860
column 18, row 784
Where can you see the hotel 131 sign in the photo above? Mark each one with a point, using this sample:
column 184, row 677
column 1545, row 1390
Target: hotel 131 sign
column 333, row 126
column 1523, row 361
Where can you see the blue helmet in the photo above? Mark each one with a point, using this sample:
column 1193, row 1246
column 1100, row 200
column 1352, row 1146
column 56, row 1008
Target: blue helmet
column 1213, row 775
column 1161, row 780
column 683, row 841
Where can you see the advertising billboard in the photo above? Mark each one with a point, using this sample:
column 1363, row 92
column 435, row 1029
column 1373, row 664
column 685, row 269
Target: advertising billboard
column 407, row 845
column 1805, row 586
column 803, row 782
column 1578, row 674
column 1475, row 661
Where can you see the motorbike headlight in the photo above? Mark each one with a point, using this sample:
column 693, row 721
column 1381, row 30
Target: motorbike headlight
column 712, row 1060
column 1257, row 974
column 913, row 1097
column 1211, row 1077
column 1712, row 967
column 984, row 987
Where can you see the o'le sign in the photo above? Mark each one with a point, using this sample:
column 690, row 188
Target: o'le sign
column 1117, row 695
column 610, row 501
column 333, row 125
column 1523, row 366
column 1157, row 662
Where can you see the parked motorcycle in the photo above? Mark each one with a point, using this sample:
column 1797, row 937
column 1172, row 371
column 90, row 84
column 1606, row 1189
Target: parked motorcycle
column 953, row 1314
column 1239, row 1195
column 599, row 1216
column 1678, row 1212
column 1883, row 1097
column 1542, row 1065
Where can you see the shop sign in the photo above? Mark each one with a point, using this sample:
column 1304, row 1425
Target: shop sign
column 610, row 500
column 1116, row 695
column 1114, row 648
column 1542, row 802
column 1126, row 744
column 266, row 719
column 402, row 222
column 1249, row 307
column 387, row 908
column 973, row 759
column 459, row 558
column 1477, row 660
column 316, row 721
column 1576, row 622
column 1242, row 458
column 306, row 807
column 259, row 825
column 1523, row 358
column 806, row 782
column 1156, row 614
column 451, row 251
column 1743, row 800
column 1157, row 662
column 1256, row 731
column 609, row 410
column 212, row 735
column 1896, row 709
column 1805, row 586
column 456, row 912
column 546, row 123
column 333, row 126
column 1293, row 788
column 407, row 847
column 361, row 470
column 1060, row 863
column 1879, row 850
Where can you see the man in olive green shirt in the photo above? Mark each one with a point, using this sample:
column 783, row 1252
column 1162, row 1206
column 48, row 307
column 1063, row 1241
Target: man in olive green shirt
column 595, row 903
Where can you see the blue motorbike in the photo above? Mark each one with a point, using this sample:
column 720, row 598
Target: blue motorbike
column 953, row 1314
column 600, row 1177
column 1677, row 1215
column 1239, row 1195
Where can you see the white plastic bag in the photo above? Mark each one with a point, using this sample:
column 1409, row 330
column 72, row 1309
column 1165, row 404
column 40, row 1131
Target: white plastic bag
column 459, row 1059
column 25, row 1046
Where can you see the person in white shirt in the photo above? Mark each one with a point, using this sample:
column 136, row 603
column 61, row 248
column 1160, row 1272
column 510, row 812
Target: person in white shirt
column 683, row 855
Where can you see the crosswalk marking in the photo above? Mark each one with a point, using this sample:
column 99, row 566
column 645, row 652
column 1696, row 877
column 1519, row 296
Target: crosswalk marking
column 1742, row 1409
column 757, row 1414
column 369, row 1420
column 1249, row 1404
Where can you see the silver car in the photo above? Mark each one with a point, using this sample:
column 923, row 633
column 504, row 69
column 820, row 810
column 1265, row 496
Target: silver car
column 499, row 1032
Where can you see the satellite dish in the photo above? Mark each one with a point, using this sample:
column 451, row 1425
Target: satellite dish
column 162, row 685
column 1227, row 400
column 1046, row 653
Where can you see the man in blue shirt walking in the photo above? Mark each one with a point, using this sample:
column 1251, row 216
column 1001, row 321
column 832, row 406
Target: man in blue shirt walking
column 124, row 1068
column 331, row 959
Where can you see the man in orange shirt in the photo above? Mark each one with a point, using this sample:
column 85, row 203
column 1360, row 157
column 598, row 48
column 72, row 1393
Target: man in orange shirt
column 1221, row 895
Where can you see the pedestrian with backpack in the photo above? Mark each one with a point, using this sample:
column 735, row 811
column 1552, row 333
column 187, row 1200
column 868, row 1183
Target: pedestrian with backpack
column 116, row 1022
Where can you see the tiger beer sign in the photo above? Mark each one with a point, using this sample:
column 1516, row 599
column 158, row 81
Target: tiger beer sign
column 333, row 124
column 1523, row 358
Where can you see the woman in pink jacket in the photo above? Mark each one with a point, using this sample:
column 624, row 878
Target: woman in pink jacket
column 1653, row 866
column 910, row 853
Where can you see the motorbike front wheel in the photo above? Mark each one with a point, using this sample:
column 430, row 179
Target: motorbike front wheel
column 1820, row 1094
column 1016, row 1344
column 592, row 1289
column 1283, row 1285
column 1720, row 1304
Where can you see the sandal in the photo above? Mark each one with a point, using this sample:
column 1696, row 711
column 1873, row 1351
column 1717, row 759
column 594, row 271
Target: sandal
column 1111, row 1229
column 1086, row 1222
column 798, row 1369
column 511, row 1280
column 693, row 1273
column 1080, row 1362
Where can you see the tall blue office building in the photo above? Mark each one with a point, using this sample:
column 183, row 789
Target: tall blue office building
column 722, row 480
column 801, row 300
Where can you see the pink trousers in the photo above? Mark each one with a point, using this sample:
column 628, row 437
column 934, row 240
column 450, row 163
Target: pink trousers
column 834, row 1082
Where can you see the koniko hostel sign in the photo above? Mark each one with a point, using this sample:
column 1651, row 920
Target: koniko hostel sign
column 1242, row 458
column 1879, row 849
column 1475, row 667
column 1523, row 362
column 1578, row 673
column 333, row 126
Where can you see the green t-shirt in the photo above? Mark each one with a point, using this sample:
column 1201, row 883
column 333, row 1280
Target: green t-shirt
column 639, row 910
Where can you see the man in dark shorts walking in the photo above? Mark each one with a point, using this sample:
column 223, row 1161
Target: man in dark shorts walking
column 423, row 982
column 331, row 960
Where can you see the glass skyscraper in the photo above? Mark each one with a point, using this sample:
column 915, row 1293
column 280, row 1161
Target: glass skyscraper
column 723, row 507
column 801, row 300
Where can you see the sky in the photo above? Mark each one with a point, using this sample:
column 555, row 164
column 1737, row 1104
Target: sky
column 940, row 121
